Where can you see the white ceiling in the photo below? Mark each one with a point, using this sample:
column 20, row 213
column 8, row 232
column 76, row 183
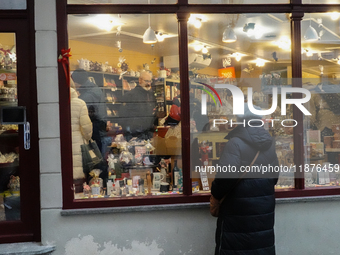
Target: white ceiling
column 81, row 27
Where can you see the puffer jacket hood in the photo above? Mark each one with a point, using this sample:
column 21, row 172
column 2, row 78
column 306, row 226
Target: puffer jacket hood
column 256, row 137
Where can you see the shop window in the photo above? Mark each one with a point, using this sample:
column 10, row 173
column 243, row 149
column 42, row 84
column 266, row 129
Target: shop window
column 13, row 4
column 320, row 65
column 121, row 2
column 237, row 2
column 247, row 51
column 318, row 2
column 9, row 138
column 261, row 63
column 127, row 93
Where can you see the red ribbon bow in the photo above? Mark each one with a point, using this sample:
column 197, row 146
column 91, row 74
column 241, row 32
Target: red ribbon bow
column 63, row 59
column 5, row 51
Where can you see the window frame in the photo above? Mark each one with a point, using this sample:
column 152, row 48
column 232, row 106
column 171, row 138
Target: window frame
column 183, row 10
column 21, row 22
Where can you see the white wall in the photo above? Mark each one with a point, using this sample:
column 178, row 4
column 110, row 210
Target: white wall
column 302, row 228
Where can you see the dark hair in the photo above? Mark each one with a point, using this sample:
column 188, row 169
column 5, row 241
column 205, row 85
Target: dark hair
column 80, row 76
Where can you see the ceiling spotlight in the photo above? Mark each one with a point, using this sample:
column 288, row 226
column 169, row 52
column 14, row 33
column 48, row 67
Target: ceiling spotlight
column 229, row 35
column 205, row 50
column 335, row 15
column 309, row 53
column 149, row 35
column 197, row 22
column 260, row 62
column 105, row 22
column 160, row 36
column 198, row 47
column 237, row 56
column 249, row 28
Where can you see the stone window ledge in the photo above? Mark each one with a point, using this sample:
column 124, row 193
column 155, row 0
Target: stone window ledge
column 25, row 249
column 146, row 208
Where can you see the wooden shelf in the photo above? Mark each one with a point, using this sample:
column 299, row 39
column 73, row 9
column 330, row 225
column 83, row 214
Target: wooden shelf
column 332, row 150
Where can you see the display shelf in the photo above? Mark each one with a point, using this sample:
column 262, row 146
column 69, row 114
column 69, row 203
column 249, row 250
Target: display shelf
column 332, row 150
column 112, row 89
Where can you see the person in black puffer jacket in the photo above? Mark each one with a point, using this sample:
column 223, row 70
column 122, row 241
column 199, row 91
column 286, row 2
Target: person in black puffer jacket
column 246, row 220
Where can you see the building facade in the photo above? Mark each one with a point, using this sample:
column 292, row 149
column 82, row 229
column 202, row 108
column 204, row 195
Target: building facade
column 179, row 222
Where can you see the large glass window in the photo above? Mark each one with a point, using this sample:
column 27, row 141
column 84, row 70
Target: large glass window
column 125, row 100
column 140, row 139
column 320, row 75
column 318, row 2
column 237, row 2
column 248, row 51
column 121, row 1
column 9, row 139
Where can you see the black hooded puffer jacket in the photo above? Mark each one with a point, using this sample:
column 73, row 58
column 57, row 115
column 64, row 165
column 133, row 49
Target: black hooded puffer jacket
column 246, row 220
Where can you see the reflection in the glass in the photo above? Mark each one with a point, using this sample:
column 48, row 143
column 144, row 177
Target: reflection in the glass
column 237, row 2
column 320, row 72
column 259, row 59
column 132, row 103
column 9, row 143
column 121, row 2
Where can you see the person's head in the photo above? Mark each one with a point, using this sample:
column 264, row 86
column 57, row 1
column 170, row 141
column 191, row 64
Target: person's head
column 79, row 77
column 178, row 89
column 91, row 110
column 72, row 85
column 248, row 115
column 145, row 80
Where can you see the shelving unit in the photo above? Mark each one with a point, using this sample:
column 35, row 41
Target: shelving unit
column 113, row 88
column 165, row 98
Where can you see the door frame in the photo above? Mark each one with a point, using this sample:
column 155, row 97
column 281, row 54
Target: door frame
column 21, row 22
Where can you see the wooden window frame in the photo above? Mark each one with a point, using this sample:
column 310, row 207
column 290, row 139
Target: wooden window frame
column 183, row 10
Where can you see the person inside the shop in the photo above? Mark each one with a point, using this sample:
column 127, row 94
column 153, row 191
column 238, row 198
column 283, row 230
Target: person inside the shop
column 95, row 101
column 174, row 116
column 324, row 107
column 81, row 133
column 246, row 218
column 138, row 110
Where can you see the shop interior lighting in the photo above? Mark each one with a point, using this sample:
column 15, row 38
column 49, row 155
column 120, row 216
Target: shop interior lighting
column 198, row 23
column 229, row 35
column 311, row 34
column 105, row 22
column 335, row 15
column 260, row 62
column 284, row 43
column 149, row 35
column 160, row 36
column 205, row 50
column 196, row 20
column 198, row 47
column 249, row 28
column 308, row 52
column 237, row 56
